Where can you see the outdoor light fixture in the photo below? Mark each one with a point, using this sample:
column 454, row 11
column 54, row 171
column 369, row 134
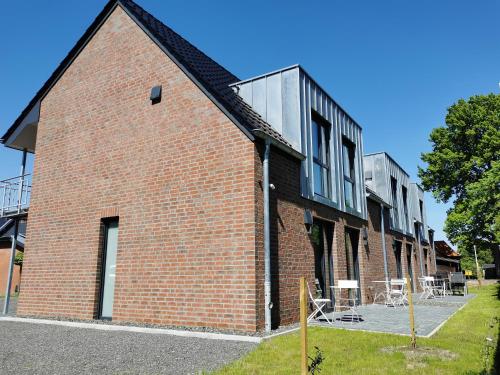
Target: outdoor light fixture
column 155, row 94
column 365, row 235
column 308, row 220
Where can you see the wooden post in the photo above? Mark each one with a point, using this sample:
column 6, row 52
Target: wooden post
column 303, row 326
column 478, row 270
column 412, row 314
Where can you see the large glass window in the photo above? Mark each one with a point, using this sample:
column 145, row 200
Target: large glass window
column 321, row 157
column 349, row 173
column 394, row 194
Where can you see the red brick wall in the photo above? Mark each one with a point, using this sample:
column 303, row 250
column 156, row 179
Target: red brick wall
column 5, row 250
column 179, row 174
column 374, row 255
column 291, row 247
column 375, row 269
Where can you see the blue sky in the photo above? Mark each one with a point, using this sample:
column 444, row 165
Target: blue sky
column 395, row 66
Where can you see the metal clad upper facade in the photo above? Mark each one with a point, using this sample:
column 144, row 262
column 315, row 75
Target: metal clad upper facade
column 380, row 172
column 288, row 99
column 419, row 213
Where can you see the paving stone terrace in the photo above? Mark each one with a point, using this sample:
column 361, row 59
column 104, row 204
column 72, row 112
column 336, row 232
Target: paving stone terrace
column 429, row 315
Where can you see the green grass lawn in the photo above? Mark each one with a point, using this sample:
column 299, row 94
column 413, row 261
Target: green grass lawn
column 461, row 341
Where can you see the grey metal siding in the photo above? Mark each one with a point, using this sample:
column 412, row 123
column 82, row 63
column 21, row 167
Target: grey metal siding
column 382, row 167
column 275, row 98
column 417, row 194
column 286, row 99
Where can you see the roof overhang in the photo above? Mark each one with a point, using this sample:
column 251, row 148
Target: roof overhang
column 280, row 145
column 457, row 261
column 370, row 194
column 23, row 136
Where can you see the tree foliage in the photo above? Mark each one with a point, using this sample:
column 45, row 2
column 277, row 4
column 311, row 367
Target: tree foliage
column 19, row 258
column 464, row 167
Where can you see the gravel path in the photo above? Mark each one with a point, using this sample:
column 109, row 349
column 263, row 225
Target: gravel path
column 27, row 348
column 12, row 306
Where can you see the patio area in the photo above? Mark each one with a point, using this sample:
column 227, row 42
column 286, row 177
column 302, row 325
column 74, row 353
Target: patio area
column 430, row 314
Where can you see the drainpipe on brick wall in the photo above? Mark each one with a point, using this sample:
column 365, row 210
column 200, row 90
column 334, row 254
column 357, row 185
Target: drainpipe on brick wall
column 421, row 256
column 267, row 238
column 384, row 250
column 434, row 253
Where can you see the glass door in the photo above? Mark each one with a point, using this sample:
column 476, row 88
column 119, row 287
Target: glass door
column 397, row 255
column 351, row 249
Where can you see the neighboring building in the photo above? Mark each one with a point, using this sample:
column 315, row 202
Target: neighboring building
column 385, row 177
column 382, row 265
column 6, row 233
column 489, row 271
column 420, row 229
column 447, row 259
column 168, row 191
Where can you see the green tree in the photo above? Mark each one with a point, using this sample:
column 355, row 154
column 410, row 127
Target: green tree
column 464, row 168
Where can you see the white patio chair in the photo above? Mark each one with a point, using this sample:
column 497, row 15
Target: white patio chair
column 438, row 286
column 318, row 305
column 384, row 294
column 427, row 287
column 398, row 293
column 350, row 303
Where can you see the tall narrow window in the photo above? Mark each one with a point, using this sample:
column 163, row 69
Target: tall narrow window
column 406, row 220
column 352, row 261
column 322, row 239
column 397, row 256
column 108, row 275
column 349, row 173
column 426, row 269
column 394, row 194
column 421, row 226
column 321, row 157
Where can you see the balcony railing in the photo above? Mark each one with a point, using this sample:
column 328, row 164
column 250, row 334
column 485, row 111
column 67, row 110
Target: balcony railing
column 15, row 195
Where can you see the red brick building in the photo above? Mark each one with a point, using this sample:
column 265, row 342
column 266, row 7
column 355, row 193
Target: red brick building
column 447, row 259
column 6, row 233
column 166, row 189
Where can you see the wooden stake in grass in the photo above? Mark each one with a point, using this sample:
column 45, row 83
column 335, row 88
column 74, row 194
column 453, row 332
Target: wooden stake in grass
column 412, row 314
column 303, row 326
column 478, row 270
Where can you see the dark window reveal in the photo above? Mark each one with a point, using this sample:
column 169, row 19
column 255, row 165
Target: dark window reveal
column 394, row 196
column 349, row 173
column 321, row 157
column 406, row 219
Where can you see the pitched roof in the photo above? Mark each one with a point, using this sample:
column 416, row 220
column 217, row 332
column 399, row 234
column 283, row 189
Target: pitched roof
column 208, row 74
column 444, row 250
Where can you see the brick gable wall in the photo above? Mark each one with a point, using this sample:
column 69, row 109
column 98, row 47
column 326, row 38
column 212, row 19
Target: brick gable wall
column 179, row 174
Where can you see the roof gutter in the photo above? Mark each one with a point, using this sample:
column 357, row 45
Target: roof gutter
column 448, row 260
column 280, row 145
column 370, row 194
